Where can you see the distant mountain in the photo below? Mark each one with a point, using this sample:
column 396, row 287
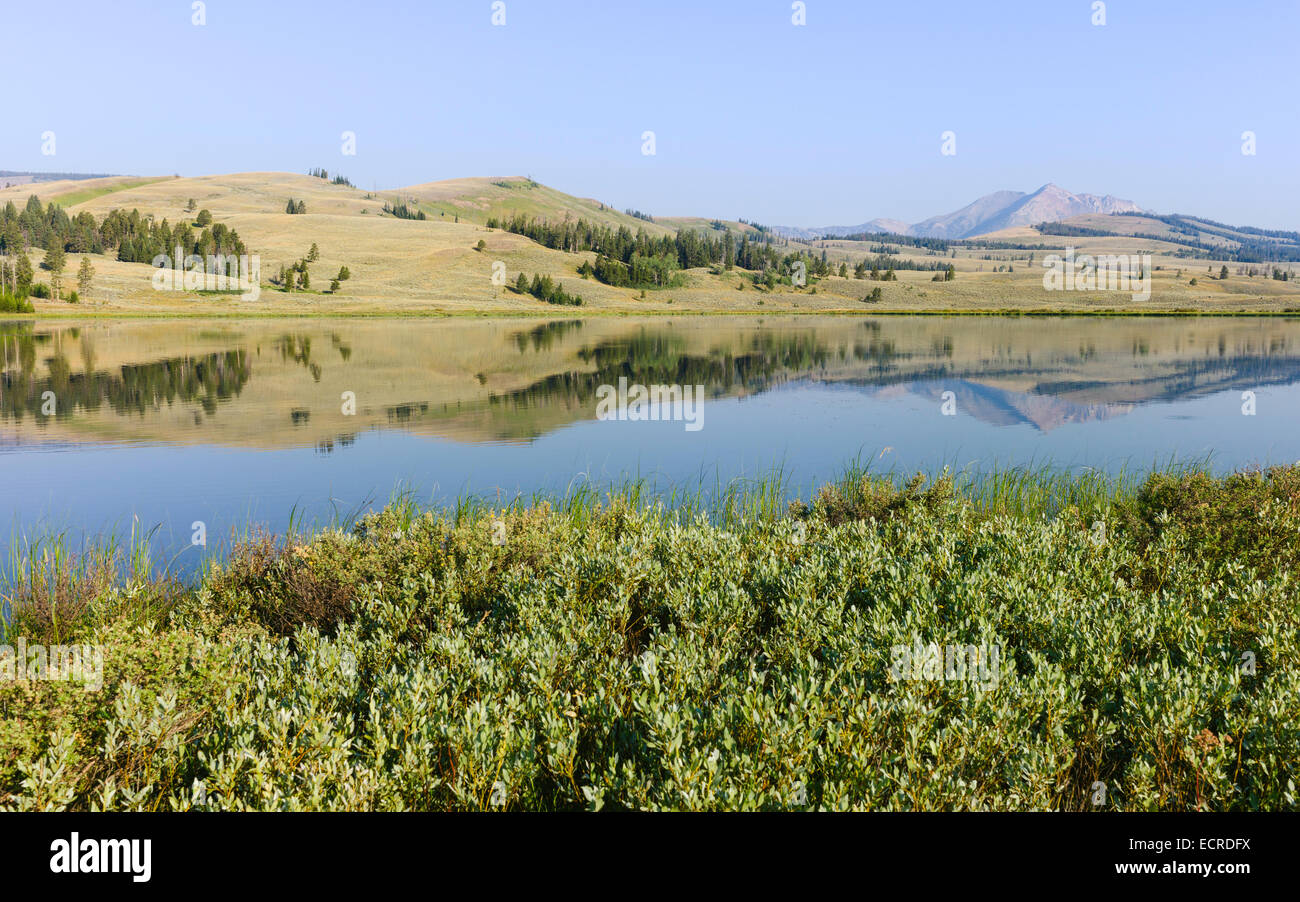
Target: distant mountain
column 12, row 177
column 999, row 210
column 874, row 226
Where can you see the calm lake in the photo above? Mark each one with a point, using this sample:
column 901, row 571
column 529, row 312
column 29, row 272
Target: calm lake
column 235, row 422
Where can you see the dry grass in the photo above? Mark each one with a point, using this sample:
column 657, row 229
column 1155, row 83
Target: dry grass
column 432, row 267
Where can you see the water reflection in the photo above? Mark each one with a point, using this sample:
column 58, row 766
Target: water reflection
column 271, row 385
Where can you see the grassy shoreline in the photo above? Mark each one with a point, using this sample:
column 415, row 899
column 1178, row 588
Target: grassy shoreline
column 593, row 313
column 616, row 652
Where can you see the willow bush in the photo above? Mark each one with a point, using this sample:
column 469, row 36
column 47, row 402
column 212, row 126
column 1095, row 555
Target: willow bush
column 626, row 659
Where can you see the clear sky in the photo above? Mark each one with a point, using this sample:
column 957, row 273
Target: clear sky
column 833, row 122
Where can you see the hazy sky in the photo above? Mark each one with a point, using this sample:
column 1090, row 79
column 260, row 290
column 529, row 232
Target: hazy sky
column 832, row 122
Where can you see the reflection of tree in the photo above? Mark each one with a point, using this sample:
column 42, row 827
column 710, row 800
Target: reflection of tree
column 136, row 388
column 654, row 357
column 326, row 446
column 344, row 349
column 545, row 336
column 18, row 346
column 298, row 349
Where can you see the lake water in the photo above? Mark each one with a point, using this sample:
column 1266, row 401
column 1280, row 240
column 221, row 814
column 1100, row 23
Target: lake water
column 232, row 422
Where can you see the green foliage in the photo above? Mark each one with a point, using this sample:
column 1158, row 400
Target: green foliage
column 137, row 238
column 9, row 303
column 55, row 259
column 85, row 275
column 622, row 654
column 544, row 288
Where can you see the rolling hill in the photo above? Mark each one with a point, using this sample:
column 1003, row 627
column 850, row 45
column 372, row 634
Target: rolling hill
column 436, row 265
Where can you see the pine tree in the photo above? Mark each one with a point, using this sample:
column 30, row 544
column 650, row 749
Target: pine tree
column 55, row 259
column 23, row 275
column 314, row 254
column 204, row 219
column 84, row 276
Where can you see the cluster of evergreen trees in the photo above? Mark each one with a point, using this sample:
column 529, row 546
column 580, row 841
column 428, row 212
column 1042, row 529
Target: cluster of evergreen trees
column 887, row 264
column 337, row 180
column 640, row 260
column 544, row 288
column 295, row 206
column 941, row 245
column 296, row 276
column 402, row 210
column 660, row 271
column 136, row 238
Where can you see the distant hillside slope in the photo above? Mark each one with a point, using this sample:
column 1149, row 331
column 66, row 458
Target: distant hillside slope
column 479, row 199
column 1191, row 235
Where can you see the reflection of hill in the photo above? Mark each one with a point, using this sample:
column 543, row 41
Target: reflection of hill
column 1000, row 407
column 276, row 383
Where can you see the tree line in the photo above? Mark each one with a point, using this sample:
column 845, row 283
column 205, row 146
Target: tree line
column 544, row 288
column 337, row 180
column 134, row 238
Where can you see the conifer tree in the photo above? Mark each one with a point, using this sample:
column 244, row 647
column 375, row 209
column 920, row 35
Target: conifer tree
column 84, row 276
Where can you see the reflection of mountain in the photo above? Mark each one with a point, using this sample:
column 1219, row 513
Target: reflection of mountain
column 1000, row 407
column 1195, row 378
column 280, row 383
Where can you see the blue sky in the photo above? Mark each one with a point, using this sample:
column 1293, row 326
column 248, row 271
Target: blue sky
column 833, row 122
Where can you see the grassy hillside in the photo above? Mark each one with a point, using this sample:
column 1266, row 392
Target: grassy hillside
column 434, row 266
column 478, row 199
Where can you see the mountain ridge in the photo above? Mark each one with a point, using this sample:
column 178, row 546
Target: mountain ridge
column 990, row 213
